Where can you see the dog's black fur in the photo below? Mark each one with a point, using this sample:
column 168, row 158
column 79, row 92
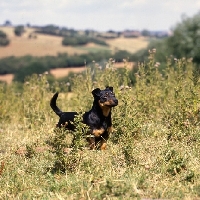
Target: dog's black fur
column 98, row 118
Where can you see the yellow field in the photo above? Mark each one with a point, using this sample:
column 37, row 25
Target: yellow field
column 41, row 46
column 129, row 44
column 52, row 45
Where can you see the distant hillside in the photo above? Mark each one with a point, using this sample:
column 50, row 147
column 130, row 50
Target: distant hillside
column 43, row 44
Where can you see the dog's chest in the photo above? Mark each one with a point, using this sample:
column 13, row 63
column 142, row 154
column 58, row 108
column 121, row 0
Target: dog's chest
column 103, row 123
column 96, row 121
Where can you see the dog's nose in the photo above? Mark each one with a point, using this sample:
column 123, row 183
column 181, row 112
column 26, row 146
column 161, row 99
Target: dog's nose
column 116, row 101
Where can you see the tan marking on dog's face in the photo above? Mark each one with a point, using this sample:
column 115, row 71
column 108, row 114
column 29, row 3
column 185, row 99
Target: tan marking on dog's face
column 98, row 132
column 105, row 108
column 110, row 129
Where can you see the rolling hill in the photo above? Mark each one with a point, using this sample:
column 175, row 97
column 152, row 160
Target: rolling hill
column 43, row 45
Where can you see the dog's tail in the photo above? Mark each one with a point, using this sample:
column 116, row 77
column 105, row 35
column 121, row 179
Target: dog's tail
column 54, row 106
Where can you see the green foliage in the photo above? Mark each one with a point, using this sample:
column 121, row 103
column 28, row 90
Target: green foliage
column 153, row 151
column 19, row 30
column 55, row 30
column 4, row 41
column 81, row 40
column 185, row 40
column 27, row 65
column 2, row 34
column 32, row 68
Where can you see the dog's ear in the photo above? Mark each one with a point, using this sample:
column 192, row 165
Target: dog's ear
column 110, row 88
column 96, row 92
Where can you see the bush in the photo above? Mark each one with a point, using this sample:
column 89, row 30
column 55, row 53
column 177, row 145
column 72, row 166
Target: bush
column 19, row 30
column 81, row 40
column 32, row 68
column 4, row 41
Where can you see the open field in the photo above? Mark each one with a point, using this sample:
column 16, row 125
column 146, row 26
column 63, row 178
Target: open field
column 153, row 151
column 52, row 45
column 43, row 45
column 8, row 78
column 129, row 44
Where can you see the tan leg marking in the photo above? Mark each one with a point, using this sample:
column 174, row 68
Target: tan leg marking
column 91, row 142
column 103, row 145
column 110, row 129
column 98, row 132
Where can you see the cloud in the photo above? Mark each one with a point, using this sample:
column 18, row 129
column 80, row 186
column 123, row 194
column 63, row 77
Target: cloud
column 99, row 15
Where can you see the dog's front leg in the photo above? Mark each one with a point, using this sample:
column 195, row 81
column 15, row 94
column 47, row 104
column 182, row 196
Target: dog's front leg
column 91, row 141
column 103, row 144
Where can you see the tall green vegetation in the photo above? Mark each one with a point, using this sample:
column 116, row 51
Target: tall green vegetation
column 185, row 41
column 153, row 151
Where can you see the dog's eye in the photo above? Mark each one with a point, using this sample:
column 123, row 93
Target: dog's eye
column 106, row 95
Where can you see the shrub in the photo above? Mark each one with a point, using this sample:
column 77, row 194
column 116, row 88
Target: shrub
column 32, row 68
column 81, row 40
column 4, row 41
column 19, row 30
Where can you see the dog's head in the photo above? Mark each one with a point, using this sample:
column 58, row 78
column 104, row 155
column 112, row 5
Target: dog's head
column 106, row 98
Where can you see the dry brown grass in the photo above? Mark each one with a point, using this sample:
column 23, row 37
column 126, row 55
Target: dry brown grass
column 52, row 45
column 41, row 46
column 62, row 72
column 7, row 78
column 129, row 44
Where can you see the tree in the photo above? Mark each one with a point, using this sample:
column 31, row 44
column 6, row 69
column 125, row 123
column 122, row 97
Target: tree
column 4, row 41
column 185, row 41
column 7, row 23
column 19, row 30
column 145, row 33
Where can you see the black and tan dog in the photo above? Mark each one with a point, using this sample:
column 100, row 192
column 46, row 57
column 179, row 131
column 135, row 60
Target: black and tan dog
column 98, row 118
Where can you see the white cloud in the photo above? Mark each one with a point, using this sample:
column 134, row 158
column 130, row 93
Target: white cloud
column 99, row 14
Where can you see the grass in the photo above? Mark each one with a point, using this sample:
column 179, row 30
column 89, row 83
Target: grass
column 93, row 48
column 131, row 45
column 153, row 152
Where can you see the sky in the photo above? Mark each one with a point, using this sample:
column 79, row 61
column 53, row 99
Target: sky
column 100, row 15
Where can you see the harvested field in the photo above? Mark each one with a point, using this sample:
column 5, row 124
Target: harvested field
column 62, row 72
column 7, row 78
column 129, row 44
column 42, row 45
